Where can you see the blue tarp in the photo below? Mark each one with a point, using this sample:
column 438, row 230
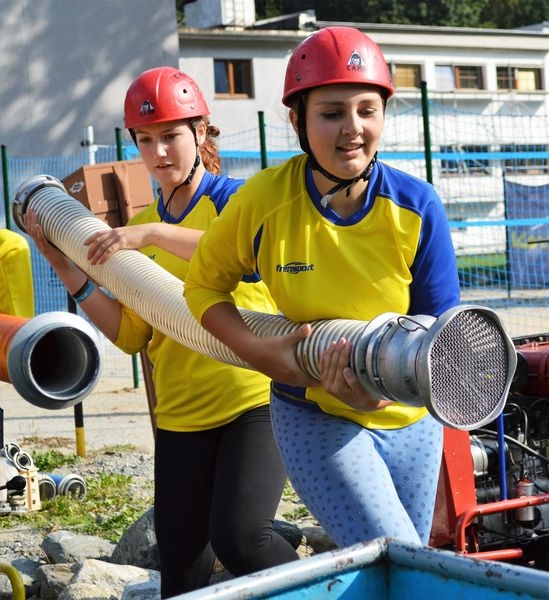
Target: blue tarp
column 528, row 243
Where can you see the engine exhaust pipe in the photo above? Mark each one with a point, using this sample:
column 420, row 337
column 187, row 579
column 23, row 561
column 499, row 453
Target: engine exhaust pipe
column 459, row 366
column 52, row 360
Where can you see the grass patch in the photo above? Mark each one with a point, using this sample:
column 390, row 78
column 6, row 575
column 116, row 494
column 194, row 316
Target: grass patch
column 300, row 511
column 53, row 459
column 471, row 261
column 112, row 502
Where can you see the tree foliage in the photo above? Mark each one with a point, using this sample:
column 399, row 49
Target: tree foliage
column 501, row 14
column 504, row 14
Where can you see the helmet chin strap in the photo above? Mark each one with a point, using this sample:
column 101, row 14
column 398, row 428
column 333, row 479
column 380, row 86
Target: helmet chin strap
column 342, row 183
column 197, row 150
column 315, row 166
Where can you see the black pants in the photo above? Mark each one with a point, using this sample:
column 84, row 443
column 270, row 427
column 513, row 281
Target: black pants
column 216, row 494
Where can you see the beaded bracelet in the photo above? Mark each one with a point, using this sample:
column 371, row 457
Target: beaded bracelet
column 84, row 292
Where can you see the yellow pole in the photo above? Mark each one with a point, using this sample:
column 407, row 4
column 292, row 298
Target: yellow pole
column 79, row 431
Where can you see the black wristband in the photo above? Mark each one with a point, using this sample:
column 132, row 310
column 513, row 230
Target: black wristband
column 84, row 292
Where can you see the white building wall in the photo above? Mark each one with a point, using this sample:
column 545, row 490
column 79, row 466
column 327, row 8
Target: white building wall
column 427, row 46
column 269, row 60
column 66, row 64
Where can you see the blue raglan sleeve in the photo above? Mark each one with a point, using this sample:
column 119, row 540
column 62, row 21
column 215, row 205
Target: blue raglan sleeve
column 435, row 284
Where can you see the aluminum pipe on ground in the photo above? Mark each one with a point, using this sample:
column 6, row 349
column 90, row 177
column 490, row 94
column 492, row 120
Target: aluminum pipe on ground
column 459, row 365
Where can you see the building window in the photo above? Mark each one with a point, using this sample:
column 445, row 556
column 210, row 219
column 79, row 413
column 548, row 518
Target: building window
column 444, row 78
column 458, row 77
column 406, row 76
column 519, row 78
column 468, row 159
column 233, row 78
column 525, row 159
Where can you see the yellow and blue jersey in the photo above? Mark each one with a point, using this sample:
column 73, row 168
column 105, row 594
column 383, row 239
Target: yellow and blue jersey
column 16, row 281
column 393, row 255
column 195, row 392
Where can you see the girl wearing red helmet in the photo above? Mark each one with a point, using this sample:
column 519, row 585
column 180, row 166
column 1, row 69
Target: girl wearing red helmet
column 218, row 473
column 368, row 239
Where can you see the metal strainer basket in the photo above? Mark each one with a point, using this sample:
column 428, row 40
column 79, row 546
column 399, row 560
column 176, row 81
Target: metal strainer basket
column 459, row 366
column 472, row 363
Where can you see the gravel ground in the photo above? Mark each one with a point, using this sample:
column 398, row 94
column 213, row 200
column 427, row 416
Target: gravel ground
column 23, row 542
column 118, row 439
column 115, row 415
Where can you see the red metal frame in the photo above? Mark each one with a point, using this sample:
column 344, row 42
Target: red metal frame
column 465, row 520
column 456, row 489
column 456, row 506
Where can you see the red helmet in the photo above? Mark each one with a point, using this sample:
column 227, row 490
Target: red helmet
column 336, row 55
column 162, row 94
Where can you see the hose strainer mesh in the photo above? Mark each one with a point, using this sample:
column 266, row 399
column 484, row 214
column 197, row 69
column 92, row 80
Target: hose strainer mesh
column 471, row 362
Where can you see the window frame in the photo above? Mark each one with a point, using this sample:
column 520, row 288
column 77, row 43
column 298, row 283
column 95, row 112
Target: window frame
column 416, row 75
column 455, row 166
column 231, row 66
column 512, row 79
column 526, row 165
column 443, row 72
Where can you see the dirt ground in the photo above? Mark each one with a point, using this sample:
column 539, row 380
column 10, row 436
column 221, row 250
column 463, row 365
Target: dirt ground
column 113, row 413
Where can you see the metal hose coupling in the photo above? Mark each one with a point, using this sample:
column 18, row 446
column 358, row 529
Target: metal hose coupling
column 459, row 366
column 52, row 360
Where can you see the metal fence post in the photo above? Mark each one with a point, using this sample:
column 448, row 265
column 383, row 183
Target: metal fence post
column 5, row 179
column 426, row 132
column 262, row 142
column 120, row 156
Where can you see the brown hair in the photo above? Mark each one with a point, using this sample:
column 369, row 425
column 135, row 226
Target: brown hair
column 209, row 152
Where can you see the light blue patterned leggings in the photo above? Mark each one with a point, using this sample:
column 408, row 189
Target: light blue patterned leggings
column 360, row 483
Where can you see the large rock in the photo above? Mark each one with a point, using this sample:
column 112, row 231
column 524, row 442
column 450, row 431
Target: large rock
column 137, row 546
column 290, row 532
column 98, row 580
column 86, row 567
column 27, row 570
column 66, row 547
column 53, row 579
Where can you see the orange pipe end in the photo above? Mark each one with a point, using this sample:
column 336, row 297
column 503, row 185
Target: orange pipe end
column 9, row 326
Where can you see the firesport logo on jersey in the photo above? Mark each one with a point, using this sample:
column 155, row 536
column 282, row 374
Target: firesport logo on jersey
column 294, row 268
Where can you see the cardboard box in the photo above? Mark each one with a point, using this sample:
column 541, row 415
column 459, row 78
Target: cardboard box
column 112, row 191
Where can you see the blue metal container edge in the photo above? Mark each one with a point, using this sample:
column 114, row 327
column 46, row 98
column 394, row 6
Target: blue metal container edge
column 294, row 574
column 483, row 572
column 283, row 581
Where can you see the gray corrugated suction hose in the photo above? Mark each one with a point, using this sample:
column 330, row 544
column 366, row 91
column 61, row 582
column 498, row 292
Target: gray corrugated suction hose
column 460, row 365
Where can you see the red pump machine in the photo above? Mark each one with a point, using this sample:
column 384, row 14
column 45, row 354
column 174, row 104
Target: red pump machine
column 493, row 496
